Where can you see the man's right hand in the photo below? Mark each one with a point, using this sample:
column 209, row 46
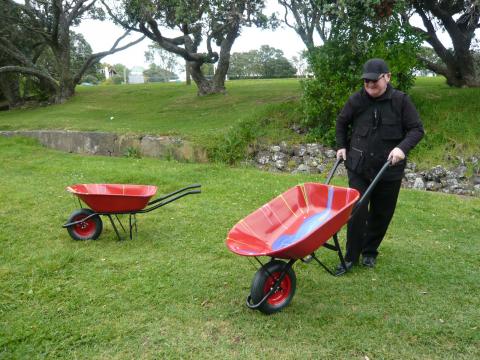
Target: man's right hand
column 342, row 154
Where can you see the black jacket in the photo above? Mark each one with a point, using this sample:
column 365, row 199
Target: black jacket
column 369, row 128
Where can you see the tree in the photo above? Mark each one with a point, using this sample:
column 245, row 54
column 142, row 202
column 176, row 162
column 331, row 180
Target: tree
column 310, row 18
column 273, row 64
column 362, row 31
column 300, row 63
column 459, row 19
column 50, row 22
column 241, row 65
column 218, row 22
column 267, row 62
column 10, row 83
column 167, row 60
column 156, row 73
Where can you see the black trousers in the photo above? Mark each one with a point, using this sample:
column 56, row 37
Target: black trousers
column 366, row 230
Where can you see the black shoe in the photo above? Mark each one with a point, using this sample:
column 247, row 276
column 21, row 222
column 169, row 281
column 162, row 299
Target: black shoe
column 369, row 261
column 340, row 270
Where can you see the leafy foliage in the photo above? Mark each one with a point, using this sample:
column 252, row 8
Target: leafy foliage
column 167, row 64
column 156, row 74
column 56, row 56
column 267, row 62
column 337, row 65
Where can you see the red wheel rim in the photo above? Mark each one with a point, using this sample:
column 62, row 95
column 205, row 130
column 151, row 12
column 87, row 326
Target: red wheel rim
column 85, row 228
column 283, row 291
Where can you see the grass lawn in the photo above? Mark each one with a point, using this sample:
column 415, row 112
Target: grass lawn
column 176, row 291
column 164, row 109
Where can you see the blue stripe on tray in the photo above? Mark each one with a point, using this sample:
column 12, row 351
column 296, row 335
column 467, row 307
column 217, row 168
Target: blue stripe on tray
column 310, row 224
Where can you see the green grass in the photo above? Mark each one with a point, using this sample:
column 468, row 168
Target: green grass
column 176, row 291
column 451, row 117
column 164, row 109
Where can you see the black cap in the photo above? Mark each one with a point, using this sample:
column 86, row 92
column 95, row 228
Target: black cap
column 373, row 68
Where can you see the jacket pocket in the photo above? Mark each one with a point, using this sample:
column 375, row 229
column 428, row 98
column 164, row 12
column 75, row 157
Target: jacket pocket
column 359, row 138
column 391, row 129
column 354, row 160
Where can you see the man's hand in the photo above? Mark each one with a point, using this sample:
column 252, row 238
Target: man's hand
column 396, row 155
column 342, row 153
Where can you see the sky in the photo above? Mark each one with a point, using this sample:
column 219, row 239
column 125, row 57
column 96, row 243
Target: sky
column 101, row 35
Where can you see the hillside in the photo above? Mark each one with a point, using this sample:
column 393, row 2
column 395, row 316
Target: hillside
column 163, row 109
column 451, row 116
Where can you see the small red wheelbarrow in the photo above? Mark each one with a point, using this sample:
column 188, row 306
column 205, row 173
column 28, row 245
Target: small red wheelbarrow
column 113, row 200
column 292, row 227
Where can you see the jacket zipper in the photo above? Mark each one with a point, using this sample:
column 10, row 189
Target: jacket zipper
column 360, row 151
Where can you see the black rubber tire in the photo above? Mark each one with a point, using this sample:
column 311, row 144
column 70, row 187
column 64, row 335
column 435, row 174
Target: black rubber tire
column 90, row 230
column 263, row 280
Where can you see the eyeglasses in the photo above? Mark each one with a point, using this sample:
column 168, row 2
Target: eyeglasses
column 373, row 81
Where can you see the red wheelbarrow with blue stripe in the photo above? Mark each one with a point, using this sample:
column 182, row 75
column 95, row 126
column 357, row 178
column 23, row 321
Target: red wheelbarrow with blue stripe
column 292, row 227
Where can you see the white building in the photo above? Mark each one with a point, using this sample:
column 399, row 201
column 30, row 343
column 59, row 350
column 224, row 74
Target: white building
column 136, row 75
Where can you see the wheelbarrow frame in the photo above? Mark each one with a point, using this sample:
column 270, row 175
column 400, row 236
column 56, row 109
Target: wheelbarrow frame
column 152, row 205
column 334, row 247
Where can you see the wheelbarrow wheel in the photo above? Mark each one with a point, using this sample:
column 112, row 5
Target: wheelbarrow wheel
column 265, row 279
column 85, row 230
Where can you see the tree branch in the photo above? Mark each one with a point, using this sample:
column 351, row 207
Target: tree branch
column 431, row 37
column 450, row 25
column 30, row 71
column 97, row 56
column 436, row 68
column 11, row 50
column 78, row 10
column 169, row 45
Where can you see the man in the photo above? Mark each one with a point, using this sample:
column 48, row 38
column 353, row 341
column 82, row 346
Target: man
column 383, row 124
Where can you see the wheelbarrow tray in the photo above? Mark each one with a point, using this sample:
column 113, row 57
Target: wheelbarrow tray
column 114, row 198
column 295, row 223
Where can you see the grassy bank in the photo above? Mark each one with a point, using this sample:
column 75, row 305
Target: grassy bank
column 164, row 109
column 176, row 292
column 451, row 117
column 253, row 110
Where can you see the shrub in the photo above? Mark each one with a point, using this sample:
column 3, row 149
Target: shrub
column 337, row 67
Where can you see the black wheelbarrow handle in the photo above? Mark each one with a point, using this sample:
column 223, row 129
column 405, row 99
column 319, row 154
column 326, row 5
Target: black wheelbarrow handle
column 167, row 199
column 193, row 186
column 367, row 192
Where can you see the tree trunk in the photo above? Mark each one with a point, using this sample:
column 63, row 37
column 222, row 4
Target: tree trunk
column 64, row 92
column 459, row 70
column 188, row 77
column 204, row 85
column 462, row 72
column 217, row 84
column 458, row 64
column 9, row 86
column 61, row 51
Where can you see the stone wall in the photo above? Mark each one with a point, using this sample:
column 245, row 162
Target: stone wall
column 301, row 158
column 103, row 143
column 317, row 159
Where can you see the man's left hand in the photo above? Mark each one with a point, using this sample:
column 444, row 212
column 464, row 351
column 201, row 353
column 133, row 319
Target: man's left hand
column 396, row 155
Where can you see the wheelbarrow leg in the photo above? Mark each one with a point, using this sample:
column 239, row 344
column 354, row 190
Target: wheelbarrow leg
column 132, row 224
column 339, row 251
column 115, row 227
column 336, row 247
